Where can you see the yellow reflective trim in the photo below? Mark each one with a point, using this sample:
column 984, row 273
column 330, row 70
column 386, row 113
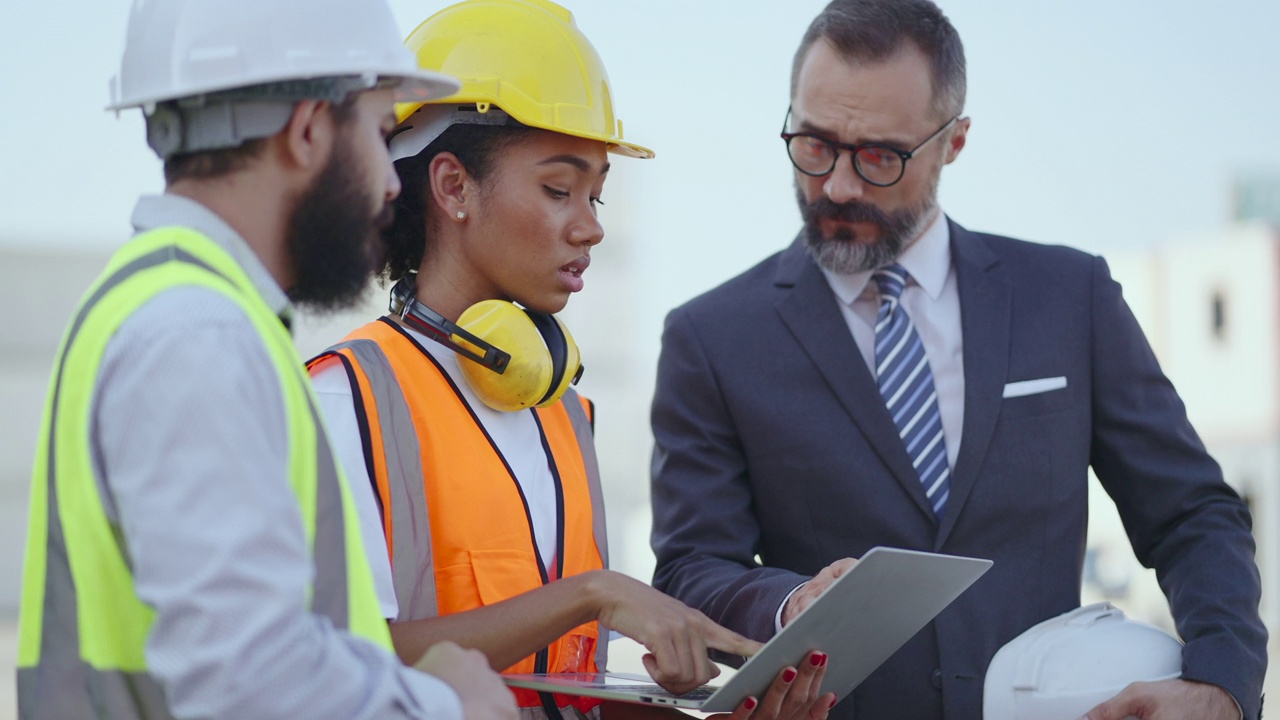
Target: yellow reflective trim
column 36, row 556
column 113, row 622
column 31, row 613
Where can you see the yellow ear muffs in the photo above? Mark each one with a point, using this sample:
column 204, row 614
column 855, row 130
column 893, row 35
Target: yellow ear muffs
column 544, row 358
column 516, row 358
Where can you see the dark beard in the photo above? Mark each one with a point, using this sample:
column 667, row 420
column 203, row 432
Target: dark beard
column 843, row 253
column 334, row 242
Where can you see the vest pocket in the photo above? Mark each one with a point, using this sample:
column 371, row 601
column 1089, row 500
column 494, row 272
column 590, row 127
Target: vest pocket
column 501, row 574
column 485, row 577
column 504, row 573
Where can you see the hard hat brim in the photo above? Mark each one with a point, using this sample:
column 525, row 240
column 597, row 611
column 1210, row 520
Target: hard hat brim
column 405, row 110
column 424, row 85
column 413, row 85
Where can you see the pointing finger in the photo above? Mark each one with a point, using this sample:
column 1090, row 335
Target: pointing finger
column 729, row 641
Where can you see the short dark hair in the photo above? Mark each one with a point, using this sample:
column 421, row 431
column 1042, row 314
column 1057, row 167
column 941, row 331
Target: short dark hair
column 871, row 31
column 477, row 147
column 209, row 164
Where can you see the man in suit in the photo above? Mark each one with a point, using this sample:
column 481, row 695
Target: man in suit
column 892, row 378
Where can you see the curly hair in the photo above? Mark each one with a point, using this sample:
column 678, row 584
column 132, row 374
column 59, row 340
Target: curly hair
column 477, row 148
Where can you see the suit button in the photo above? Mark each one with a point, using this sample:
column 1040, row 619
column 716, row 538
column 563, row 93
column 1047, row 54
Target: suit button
column 937, row 679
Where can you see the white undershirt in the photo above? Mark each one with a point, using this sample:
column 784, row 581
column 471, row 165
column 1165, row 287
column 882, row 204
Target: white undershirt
column 515, row 434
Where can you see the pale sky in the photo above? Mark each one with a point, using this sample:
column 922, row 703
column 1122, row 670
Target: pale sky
column 1097, row 123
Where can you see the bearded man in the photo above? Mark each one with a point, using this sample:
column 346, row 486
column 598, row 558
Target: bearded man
column 894, row 379
column 192, row 549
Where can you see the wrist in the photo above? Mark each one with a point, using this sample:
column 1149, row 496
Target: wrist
column 786, row 612
column 593, row 595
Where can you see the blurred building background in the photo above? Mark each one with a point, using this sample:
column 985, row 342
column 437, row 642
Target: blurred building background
column 1209, row 303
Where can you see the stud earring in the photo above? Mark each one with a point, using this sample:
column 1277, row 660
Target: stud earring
column 462, row 215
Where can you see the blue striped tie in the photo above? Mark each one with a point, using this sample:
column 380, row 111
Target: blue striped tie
column 906, row 384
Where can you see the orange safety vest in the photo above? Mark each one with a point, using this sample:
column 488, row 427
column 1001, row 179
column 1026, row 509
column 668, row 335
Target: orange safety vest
column 457, row 525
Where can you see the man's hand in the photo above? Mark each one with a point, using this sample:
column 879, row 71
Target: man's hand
column 1168, row 700
column 676, row 635
column 481, row 690
column 810, row 591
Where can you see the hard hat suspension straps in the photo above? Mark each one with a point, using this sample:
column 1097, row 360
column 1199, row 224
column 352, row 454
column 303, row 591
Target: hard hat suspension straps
column 228, row 119
column 172, row 130
column 429, row 122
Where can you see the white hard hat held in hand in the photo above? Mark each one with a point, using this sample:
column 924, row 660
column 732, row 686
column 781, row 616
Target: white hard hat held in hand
column 1065, row 666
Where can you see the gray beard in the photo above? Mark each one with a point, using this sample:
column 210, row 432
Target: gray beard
column 842, row 253
column 843, row 256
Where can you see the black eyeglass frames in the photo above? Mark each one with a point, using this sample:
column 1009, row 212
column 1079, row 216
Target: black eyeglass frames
column 879, row 164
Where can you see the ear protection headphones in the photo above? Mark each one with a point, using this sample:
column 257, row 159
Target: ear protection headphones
column 518, row 358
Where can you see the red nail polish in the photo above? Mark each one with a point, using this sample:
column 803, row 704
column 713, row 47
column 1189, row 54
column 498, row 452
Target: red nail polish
column 833, row 704
column 817, row 659
column 750, row 703
column 825, row 658
column 788, row 675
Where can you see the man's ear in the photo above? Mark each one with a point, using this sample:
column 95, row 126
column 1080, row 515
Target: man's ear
column 308, row 136
column 450, row 184
column 956, row 140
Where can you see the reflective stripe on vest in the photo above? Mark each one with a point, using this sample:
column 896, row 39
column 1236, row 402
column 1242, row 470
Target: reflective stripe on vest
column 440, row 562
column 83, row 630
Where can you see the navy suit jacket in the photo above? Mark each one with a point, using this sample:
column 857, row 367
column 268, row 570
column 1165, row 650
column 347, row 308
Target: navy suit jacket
column 775, row 456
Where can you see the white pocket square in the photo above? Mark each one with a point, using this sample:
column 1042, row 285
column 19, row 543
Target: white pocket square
column 1033, row 387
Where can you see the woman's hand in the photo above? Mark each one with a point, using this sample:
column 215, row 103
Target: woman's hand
column 676, row 636
column 792, row 696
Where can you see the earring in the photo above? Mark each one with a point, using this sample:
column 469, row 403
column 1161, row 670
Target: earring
column 462, row 215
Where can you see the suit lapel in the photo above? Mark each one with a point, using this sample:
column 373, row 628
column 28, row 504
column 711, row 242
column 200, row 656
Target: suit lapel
column 985, row 316
column 812, row 313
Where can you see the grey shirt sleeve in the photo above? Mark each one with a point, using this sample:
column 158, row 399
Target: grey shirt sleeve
column 191, row 448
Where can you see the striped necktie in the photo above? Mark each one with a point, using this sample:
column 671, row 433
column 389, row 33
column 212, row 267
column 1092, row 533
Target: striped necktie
column 906, row 384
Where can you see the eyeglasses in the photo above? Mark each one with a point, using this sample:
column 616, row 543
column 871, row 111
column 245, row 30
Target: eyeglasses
column 879, row 164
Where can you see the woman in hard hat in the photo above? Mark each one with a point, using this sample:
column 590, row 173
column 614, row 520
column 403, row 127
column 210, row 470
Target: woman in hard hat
column 457, row 407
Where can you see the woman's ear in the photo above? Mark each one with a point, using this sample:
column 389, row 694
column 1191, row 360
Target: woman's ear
column 451, row 186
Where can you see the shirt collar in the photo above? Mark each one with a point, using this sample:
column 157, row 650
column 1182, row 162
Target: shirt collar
column 157, row 211
column 927, row 260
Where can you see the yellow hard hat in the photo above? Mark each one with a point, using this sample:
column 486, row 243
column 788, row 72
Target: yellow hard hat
column 526, row 57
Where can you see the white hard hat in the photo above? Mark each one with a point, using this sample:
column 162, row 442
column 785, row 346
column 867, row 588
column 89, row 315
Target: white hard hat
column 187, row 48
column 213, row 74
column 1065, row 666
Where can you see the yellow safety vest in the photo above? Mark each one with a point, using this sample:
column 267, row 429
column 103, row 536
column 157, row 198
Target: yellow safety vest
column 457, row 524
column 82, row 628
